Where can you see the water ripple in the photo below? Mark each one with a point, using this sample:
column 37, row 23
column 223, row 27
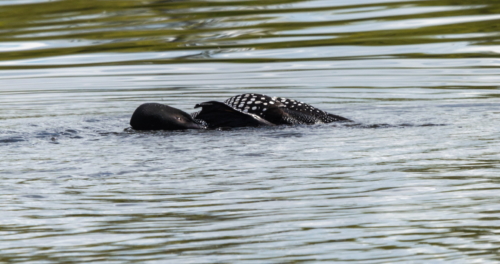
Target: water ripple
column 414, row 179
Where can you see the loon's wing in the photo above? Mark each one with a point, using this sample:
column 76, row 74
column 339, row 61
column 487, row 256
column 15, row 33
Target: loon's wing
column 281, row 111
column 217, row 114
column 298, row 116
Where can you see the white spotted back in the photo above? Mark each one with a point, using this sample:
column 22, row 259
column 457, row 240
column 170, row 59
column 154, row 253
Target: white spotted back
column 258, row 104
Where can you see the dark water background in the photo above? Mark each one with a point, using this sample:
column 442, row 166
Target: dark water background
column 416, row 182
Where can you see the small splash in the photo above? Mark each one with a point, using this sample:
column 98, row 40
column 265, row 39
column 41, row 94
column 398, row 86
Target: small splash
column 54, row 136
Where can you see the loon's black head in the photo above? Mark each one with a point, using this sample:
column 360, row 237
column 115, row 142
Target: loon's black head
column 153, row 116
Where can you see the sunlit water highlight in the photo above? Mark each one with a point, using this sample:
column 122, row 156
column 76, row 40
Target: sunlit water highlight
column 413, row 181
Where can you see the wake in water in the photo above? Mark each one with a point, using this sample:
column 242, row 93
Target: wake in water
column 383, row 125
column 55, row 135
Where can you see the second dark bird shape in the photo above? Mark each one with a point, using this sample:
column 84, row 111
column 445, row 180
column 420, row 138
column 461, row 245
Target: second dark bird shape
column 244, row 110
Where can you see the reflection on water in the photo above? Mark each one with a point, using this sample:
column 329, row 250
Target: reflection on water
column 69, row 33
column 415, row 180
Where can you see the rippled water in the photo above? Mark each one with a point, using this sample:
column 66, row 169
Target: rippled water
column 414, row 181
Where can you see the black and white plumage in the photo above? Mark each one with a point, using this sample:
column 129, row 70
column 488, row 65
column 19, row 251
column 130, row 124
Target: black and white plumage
column 281, row 111
column 245, row 110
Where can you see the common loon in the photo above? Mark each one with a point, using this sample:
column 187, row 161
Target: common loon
column 244, row 110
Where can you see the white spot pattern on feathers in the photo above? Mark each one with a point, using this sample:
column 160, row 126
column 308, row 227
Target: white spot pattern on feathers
column 257, row 104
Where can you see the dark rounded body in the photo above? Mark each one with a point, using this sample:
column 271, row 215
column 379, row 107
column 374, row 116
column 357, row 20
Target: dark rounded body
column 245, row 110
column 153, row 116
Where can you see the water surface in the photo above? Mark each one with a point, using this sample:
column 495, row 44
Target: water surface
column 415, row 181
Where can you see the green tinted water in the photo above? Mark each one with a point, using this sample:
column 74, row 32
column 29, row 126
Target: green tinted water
column 415, row 182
